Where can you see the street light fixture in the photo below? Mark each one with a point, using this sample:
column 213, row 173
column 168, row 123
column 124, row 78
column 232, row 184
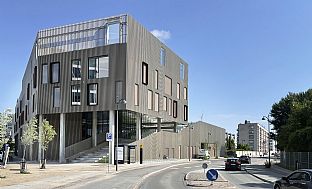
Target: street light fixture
column 268, row 119
column 121, row 101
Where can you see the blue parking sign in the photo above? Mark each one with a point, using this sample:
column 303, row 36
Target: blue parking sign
column 109, row 137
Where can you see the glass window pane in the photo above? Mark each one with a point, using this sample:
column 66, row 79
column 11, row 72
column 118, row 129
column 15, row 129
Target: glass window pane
column 76, row 70
column 44, row 73
column 76, row 95
column 156, row 102
column 92, row 94
column 136, row 94
column 149, row 99
column 168, row 85
column 181, row 71
column 103, row 67
column 178, row 90
column 156, row 79
column 55, row 69
column 56, row 96
column 162, row 56
column 92, row 68
column 165, row 103
column 113, row 33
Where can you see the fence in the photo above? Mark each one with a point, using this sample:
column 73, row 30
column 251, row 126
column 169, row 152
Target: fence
column 296, row 160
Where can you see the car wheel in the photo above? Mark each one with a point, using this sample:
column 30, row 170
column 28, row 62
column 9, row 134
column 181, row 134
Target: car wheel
column 277, row 186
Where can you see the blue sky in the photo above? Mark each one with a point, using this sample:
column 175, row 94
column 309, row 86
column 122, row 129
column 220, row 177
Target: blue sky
column 243, row 55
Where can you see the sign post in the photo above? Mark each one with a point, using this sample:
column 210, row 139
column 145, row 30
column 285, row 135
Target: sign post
column 109, row 138
column 204, row 166
column 212, row 175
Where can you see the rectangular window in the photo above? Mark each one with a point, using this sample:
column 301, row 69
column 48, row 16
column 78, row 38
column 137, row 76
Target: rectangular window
column 185, row 93
column 162, row 56
column 28, row 91
column 34, row 103
column 92, row 94
column 165, row 103
column 181, row 71
column 112, row 33
column 185, row 113
column 56, row 96
column 76, row 70
column 175, row 109
column 149, row 99
column 118, row 91
column 156, row 79
column 170, row 106
column 75, row 94
column 156, row 99
column 144, row 73
column 136, row 94
column 98, row 67
column 178, row 90
column 55, row 72
column 35, row 77
column 44, row 73
column 26, row 112
column 168, row 85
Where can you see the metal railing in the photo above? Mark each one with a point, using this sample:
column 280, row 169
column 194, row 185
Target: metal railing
column 296, row 160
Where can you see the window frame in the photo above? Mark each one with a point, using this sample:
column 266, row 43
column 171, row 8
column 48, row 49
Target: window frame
column 144, row 73
column 88, row 94
column 54, row 97
column 136, row 94
column 149, row 100
column 73, row 78
column 78, row 90
column 156, row 102
column 45, row 77
column 162, row 56
column 58, row 72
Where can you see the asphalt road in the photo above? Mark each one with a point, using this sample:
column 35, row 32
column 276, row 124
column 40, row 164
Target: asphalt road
column 169, row 177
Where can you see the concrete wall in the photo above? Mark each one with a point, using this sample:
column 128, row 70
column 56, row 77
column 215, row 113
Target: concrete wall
column 176, row 145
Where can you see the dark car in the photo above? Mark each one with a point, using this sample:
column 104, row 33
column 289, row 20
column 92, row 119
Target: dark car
column 245, row 159
column 297, row 179
column 232, row 164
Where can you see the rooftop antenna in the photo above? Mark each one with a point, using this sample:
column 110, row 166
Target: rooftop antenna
column 201, row 117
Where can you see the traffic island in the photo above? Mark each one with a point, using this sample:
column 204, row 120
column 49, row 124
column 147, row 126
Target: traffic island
column 199, row 179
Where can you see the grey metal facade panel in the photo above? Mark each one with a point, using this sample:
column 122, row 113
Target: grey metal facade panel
column 106, row 86
column 142, row 46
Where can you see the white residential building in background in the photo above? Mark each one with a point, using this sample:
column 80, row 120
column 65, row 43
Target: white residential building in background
column 255, row 136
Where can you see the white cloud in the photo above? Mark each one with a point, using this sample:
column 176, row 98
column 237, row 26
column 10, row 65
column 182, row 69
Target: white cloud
column 162, row 35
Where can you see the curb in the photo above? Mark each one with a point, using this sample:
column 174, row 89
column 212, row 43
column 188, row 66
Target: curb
column 264, row 180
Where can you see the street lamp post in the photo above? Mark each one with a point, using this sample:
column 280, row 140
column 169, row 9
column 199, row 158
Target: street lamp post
column 121, row 101
column 268, row 119
column 190, row 127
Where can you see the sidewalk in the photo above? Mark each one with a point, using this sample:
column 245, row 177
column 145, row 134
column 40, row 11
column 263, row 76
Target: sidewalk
column 62, row 175
column 268, row 175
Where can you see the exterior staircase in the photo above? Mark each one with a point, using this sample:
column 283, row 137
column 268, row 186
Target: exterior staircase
column 91, row 157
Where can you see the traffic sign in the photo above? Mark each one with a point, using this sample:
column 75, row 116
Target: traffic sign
column 109, row 137
column 212, row 175
column 204, row 166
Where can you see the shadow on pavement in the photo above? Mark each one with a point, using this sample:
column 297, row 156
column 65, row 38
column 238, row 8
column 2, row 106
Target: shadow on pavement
column 257, row 185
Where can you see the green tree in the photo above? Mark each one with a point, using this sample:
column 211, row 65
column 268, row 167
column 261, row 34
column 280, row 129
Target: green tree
column 244, row 147
column 230, row 144
column 30, row 134
column 5, row 118
column 46, row 136
column 292, row 120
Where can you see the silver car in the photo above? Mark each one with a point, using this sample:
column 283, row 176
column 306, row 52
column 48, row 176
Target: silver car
column 297, row 179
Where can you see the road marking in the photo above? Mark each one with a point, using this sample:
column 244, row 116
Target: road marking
column 174, row 168
column 197, row 166
column 187, row 167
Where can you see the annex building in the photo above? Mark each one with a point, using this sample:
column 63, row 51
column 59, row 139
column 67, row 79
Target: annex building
column 80, row 76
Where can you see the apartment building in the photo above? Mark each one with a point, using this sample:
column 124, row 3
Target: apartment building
column 79, row 76
column 253, row 134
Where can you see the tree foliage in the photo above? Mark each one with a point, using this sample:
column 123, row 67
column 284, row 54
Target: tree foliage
column 5, row 118
column 47, row 134
column 292, row 120
column 245, row 147
column 230, row 144
column 30, row 134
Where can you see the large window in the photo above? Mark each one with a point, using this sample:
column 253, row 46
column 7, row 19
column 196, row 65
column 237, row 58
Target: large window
column 35, row 77
column 185, row 93
column 92, row 94
column 144, row 73
column 156, row 100
column 112, row 33
column 181, row 71
column 168, row 85
column 55, row 72
column 136, row 94
column 98, row 67
column 76, row 70
column 149, row 99
column 185, row 113
column 165, row 103
column 178, row 90
column 162, row 56
column 44, row 73
column 34, row 103
column 75, row 91
column 156, row 79
column 28, row 91
column 175, row 109
column 170, row 106
column 56, row 96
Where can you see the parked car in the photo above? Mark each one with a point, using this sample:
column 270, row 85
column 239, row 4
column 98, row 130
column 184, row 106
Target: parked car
column 245, row 159
column 232, row 164
column 297, row 179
